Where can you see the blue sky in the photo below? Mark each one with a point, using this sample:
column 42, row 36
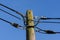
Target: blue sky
column 48, row 8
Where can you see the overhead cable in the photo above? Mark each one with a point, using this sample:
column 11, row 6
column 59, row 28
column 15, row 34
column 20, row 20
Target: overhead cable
column 46, row 22
column 46, row 31
column 15, row 12
column 5, row 21
column 10, row 14
column 37, row 22
column 39, row 29
column 12, row 10
column 13, row 24
column 50, row 18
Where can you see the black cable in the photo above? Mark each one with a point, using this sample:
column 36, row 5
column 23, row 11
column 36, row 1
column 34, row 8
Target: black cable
column 37, row 22
column 10, row 14
column 43, row 22
column 46, row 31
column 12, row 9
column 39, row 29
column 40, row 32
column 50, row 18
column 15, row 11
column 46, row 19
column 46, row 22
column 13, row 24
column 57, row 32
column 5, row 21
column 49, row 22
column 51, row 32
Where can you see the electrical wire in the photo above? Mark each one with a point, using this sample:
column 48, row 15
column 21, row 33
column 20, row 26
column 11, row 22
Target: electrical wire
column 57, row 32
column 37, row 22
column 46, row 19
column 10, row 14
column 46, row 22
column 39, row 29
column 50, row 18
column 40, row 32
column 49, row 22
column 13, row 24
column 15, row 11
column 5, row 21
column 12, row 9
column 46, row 31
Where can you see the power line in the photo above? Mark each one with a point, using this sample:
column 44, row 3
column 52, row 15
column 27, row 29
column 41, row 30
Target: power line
column 15, row 11
column 50, row 18
column 13, row 24
column 5, row 21
column 46, row 22
column 45, row 18
column 39, row 29
column 49, row 22
column 46, row 31
column 37, row 22
column 10, row 14
column 12, row 10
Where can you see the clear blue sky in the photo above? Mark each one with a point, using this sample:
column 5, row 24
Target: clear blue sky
column 48, row 8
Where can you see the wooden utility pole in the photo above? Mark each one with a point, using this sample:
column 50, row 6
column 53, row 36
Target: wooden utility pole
column 30, row 33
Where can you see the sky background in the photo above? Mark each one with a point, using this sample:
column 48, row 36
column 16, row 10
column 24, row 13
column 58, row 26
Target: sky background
column 48, row 8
